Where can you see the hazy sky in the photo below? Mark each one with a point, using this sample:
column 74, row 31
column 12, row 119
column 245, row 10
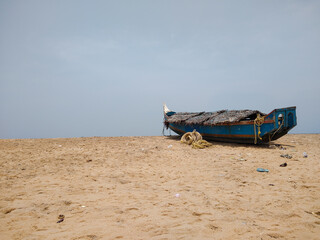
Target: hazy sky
column 104, row 68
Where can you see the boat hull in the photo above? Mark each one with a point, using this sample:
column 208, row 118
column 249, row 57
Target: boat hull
column 276, row 124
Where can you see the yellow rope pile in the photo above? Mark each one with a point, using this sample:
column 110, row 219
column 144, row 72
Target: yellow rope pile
column 195, row 139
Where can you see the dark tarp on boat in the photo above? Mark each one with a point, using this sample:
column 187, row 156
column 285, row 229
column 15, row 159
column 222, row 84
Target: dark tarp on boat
column 213, row 118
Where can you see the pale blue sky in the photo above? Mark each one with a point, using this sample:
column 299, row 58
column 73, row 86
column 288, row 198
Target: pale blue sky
column 104, row 68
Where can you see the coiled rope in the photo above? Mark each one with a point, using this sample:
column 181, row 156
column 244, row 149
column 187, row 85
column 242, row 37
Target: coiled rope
column 195, row 139
column 257, row 122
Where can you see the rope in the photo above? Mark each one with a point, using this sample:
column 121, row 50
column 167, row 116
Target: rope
column 165, row 126
column 257, row 122
column 163, row 132
column 195, row 139
column 201, row 144
column 270, row 138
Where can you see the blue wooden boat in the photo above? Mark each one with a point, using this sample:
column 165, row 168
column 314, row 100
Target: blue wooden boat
column 241, row 126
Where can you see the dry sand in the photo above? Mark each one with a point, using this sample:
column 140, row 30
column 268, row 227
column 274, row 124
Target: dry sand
column 158, row 188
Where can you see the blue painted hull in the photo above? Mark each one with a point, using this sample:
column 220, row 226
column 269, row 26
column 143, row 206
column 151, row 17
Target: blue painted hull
column 276, row 124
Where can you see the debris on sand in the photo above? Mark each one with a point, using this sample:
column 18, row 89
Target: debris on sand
column 286, row 156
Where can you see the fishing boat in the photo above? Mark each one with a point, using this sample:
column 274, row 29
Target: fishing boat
column 240, row 126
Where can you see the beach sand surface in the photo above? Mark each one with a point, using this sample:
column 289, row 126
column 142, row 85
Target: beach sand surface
column 159, row 188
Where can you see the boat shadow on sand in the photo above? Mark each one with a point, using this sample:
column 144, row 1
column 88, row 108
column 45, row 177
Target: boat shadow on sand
column 236, row 145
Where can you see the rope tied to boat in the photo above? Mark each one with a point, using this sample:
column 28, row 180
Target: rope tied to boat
column 195, row 139
column 257, row 123
column 271, row 137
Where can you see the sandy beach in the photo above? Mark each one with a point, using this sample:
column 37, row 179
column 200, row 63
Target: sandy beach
column 159, row 188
